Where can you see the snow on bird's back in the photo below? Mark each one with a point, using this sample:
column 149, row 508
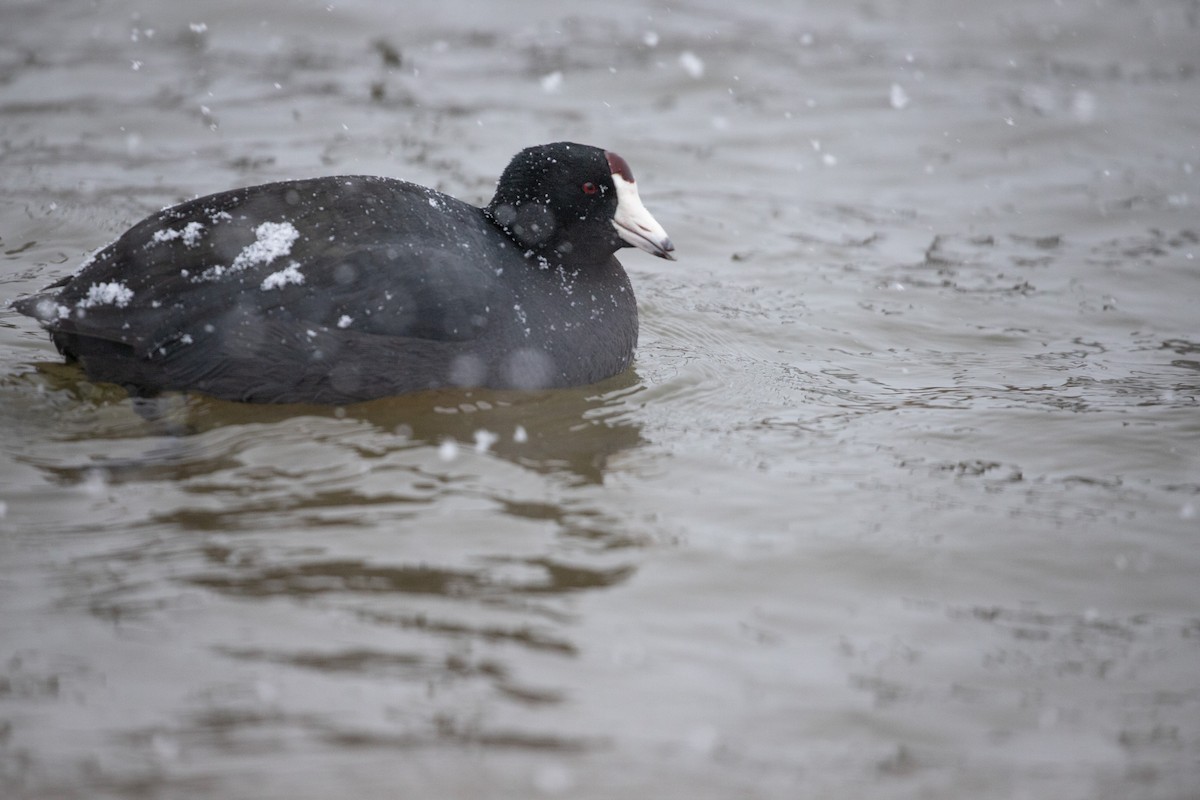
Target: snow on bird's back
column 272, row 240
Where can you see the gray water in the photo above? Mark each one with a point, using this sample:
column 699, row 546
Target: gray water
column 899, row 501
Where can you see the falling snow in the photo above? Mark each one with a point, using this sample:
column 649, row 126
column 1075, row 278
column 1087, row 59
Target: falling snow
column 484, row 439
column 47, row 310
column 691, row 64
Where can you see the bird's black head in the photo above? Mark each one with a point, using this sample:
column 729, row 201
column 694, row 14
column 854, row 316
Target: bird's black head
column 574, row 203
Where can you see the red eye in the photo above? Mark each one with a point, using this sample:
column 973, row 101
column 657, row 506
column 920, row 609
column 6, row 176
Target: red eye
column 590, row 188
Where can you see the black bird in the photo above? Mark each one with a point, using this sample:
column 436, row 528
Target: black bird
column 339, row 289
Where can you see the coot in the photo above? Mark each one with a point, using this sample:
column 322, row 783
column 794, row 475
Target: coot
column 339, row 289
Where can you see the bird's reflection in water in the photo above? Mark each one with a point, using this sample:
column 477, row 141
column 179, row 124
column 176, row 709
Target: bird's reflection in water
column 572, row 432
column 434, row 540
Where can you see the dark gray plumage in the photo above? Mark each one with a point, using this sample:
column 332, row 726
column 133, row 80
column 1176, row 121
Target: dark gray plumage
column 340, row 289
